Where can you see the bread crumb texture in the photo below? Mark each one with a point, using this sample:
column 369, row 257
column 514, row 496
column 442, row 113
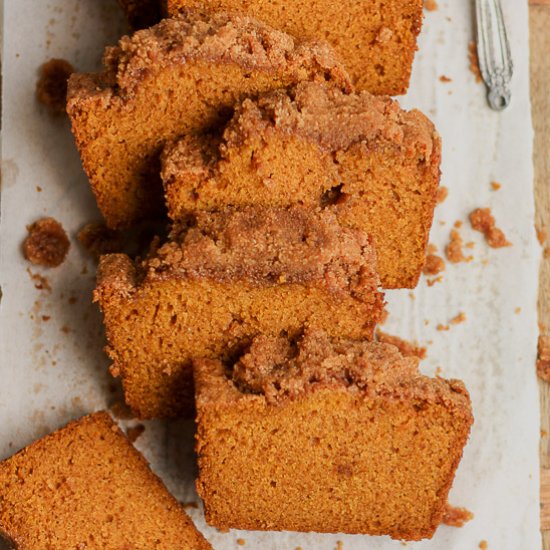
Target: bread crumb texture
column 85, row 486
column 353, row 425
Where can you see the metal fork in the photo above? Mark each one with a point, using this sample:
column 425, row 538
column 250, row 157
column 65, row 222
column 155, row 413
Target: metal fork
column 493, row 50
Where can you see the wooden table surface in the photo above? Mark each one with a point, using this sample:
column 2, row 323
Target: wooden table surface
column 540, row 97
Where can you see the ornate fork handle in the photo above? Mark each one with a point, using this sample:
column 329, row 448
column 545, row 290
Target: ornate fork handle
column 493, row 50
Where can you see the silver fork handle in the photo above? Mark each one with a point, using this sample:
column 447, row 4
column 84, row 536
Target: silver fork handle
column 493, row 50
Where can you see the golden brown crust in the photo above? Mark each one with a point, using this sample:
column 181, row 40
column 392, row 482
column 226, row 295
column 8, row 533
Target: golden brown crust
column 110, row 503
column 318, row 420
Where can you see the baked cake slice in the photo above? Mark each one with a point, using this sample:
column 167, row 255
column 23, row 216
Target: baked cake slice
column 180, row 76
column 375, row 165
column 217, row 284
column 376, row 39
column 85, row 486
column 327, row 435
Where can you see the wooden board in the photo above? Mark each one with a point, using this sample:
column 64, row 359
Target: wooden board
column 540, row 84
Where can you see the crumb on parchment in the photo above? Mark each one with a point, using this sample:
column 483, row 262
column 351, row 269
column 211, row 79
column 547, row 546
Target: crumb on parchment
column 483, row 221
column 456, row 517
column 47, row 243
column 474, row 61
column 453, row 251
column 51, row 87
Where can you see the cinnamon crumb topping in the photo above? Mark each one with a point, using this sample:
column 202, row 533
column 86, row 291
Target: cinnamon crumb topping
column 456, row 517
column 434, row 265
column 453, row 251
column 407, row 349
column 47, row 243
column 460, row 318
column 483, row 221
column 495, row 186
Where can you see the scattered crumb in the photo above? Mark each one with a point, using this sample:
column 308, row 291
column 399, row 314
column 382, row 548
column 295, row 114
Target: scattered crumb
column 38, row 189
column 40, row 282
column 517, row 311
column 457, row 319
column 474, row 61
column 445, row 79
column 222, row 530
column 190, row 504
column 65, row 329
column 543, row 433
column 384, row 317
column 98, row 239
column 339, row 545
column 47, row 243
column 241, row 542
column 412, row 296
column 458, row 224
column 46, row 318
column 470, row 245
column 432, row 282
column 441, row 327
column 438, row 371
column 482, row 220
column 442, row 194
column 72, row 300
column 121, row 411
column 430, row 5
column 51, row 88
column 453, row 251
column 408, row 349
column 431, row 249
column 542, row 235
column 434, row 265
column 495, row 185
column 483, row 545
column 134, row 432
column 442, row 223
column 456, row 517
column 543, row 358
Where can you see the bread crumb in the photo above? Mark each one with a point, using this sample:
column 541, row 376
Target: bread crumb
column 431, row 249
column 495, row 185
column 134, row 432
column 46, row 318
column 474, row 61
column 241, row 542
column 442, row 194
column 469, row 245
column 483, row 221
column 457, row 319
column 543, row 358
column 441, row 327
column 458, row 224
column 40, row 282
column 517, row 311
column 456, row 517
column 438, row 371
column 445, row 79
column 47, row 243
column 408, row 349
column 434, row 265
column 543, row 433
column 432, row 282
column 98, row 239
column 430, row 5
column 483, row 545
column 339, row 545
column 542, row 235
column 453, row 251
column 38, row 189
column 51, row 88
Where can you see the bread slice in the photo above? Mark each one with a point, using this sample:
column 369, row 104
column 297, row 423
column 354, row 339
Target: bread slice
column 180, row 76
column 376, row 39
column 375, row 165
column 327, row 435
column 85, row 486
column 233, row 275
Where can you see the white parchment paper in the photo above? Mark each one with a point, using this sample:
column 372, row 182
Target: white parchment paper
column 52, row 368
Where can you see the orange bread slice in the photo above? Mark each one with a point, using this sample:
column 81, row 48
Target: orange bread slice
column 180, row 76
column 85, row 486
column 375, row 165
column 230, row 277
column 376, row 39
column 327, row 435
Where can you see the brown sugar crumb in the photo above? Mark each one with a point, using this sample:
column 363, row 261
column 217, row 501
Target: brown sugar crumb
column 482, row 220
column 134, row 432
column 98, row 239
column 441, row 327
column 434, row 265
column 474, row 61
column 51, row 88
column 460, row 318
column 483, row 545
column 241, row 542
column 453, row 251
column 432, row 282
column 542, row 235
column 47, row 243
column 40, row 282
column 430, row 5
column 445, row 79
column 495, row 186
column 543, row 358
column 456, row 517
column 408, row 349
column 442, row 194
